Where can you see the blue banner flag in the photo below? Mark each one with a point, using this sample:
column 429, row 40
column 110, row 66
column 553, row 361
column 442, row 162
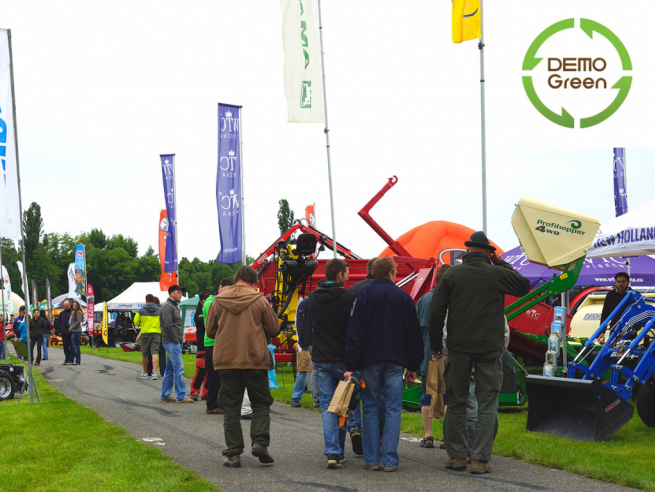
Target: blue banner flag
column 620, row 191
column 167, row 172
column 80, row 270
column 228, row 184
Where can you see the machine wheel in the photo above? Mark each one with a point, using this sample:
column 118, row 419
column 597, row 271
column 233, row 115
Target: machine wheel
column 117, row 342
column 646, row 404
column 93, row 343
column 7, row 386
column 53, row 342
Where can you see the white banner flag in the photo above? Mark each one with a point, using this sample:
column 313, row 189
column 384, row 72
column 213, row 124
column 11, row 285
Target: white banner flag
column 303, row 82
column 9, row 207
column 7, row 286
column 19, row 264
column 72, row 282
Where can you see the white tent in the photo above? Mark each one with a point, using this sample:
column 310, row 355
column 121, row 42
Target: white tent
column 58, row 302
column 631, row 234
column 135, row 296
column 16, row 302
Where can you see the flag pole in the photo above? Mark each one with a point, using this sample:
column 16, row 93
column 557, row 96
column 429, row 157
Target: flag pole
column 482, row 112
column 243, row 205
column 2, row 292
column 327, row 132
column 175, row 222
column 26, row 290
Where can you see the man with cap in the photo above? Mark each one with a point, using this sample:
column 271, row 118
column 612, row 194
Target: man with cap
column 172, row 337
column 473, row 296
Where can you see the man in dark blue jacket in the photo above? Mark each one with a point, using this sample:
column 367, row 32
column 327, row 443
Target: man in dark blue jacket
column 305, row 344
column 384, row 338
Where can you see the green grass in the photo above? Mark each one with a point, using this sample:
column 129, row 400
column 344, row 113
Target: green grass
column 64, row 446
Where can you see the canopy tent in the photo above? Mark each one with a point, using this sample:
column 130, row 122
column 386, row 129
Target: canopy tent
column 190, row 306
column 58, row 302
column 135, row 296
column 596, row 271
column 631, row 234
column 16, row 302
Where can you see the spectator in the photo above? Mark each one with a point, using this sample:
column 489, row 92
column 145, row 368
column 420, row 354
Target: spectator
column 22, row 329
column 200, row 377
column 172, row 336
column 384, row 337
column 148, row 320
column 356, row 287
column 213, row 379
column 46, row 335
column 472, row 295
column 62, row 324
column 328, row 311
column 37, row 328
column 18, row 320
column 75, row 330
column 240, row 319
column 423, row 311
column 161, row 352
column 304, row 334
column 615, row 296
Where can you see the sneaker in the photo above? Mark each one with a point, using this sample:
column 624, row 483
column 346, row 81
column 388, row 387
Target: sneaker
column 154, row 377
column 143, row 375
column 185, row 400
column 261, row 452
column 458, row 464
column 296, row 404
column 480, row 467
column 232, row 461
column 215, row 411
column 389, row 469
column 342, row 459
column 333, row 461
column 356, row 441
column 373, row 467
column 194, row 397
column 169, row 399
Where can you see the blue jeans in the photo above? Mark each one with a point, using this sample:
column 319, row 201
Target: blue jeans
column 174, row 373
column 3, row 354
column 328, row 375
column 383, row 394
column 76, row 355
column 301, row 382
column 44, row 348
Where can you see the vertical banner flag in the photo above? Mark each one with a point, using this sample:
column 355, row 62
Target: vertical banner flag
column 6, row 282
column 19, row 264
column 9, row 204
column 303, row 82
column 167, row 170
column 620, row 191
column 310, row 215
column 48, row 298
column 80, row 270
column 165, row 279
column 228, row 184
column 90, row 308
column 35, row 296
column 105, row 331
column 71, row 278
column 467, row 20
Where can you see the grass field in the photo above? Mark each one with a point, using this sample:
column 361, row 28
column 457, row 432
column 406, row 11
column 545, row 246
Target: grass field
column 626, row 458
column 64, row 446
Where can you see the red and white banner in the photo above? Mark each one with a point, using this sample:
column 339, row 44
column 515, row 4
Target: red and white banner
column 89, row 309
column 166, row 279
column 310, row 215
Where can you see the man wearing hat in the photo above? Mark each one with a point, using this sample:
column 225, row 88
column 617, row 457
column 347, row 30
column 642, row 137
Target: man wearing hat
column 472, row 295
column 172, row 336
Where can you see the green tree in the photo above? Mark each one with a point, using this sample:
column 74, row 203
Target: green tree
column 284, row 216
column 125, row 242
column 32, row 229
column 98, row 238
column 41, row 267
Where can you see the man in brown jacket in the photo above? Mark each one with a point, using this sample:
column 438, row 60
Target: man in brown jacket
column 240, row 319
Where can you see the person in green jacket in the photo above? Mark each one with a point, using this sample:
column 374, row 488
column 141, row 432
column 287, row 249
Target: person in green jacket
column 148, row 319
column 213, row 379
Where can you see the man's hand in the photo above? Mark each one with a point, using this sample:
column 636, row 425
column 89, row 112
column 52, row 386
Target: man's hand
column 410, row 376
column 347, row 375
column 437, row 354
column 495, row 258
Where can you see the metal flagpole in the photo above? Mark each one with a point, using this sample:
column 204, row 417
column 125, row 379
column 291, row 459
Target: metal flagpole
column 243, row 217
column 177, row 274
column 2, row 292
column 327, row 130
column 26, row 290
column 484, row 143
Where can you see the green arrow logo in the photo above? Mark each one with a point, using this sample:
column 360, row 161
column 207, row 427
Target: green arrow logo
column 565, row 119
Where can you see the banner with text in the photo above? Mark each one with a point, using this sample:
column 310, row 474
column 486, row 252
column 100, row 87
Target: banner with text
column 35, row 296
column 71, row 278
column 166, row 279
column 90, row 298
column 228, row 184
column 80, row 270
column 9, row 203
column 48, row 297
column 167, row 172
column 303, row 76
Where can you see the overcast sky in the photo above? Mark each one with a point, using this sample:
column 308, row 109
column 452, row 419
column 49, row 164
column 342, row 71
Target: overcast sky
column 103, row 88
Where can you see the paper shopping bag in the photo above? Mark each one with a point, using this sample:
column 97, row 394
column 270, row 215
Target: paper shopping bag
column 432, row 375
column 341, row 398
column 304, row 361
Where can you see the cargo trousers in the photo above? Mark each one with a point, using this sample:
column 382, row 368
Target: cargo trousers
column 233, row 384
column 488, row 381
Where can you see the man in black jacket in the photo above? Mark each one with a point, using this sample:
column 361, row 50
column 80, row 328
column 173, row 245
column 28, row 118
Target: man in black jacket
column 472, row 295
column 614, row 297
column 63, row 324
column 200, row 376
column 328, row 309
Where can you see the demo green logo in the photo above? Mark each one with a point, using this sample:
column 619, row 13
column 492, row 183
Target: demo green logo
column 592, row 67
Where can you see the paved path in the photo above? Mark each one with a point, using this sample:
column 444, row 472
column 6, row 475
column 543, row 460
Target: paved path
column 195, row 440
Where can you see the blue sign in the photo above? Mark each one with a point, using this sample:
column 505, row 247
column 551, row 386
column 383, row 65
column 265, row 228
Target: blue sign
column 228, row 185
column 167, row 172
column 620, row 191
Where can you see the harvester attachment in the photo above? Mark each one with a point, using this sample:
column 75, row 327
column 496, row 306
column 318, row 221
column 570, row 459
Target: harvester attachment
column 578, row 409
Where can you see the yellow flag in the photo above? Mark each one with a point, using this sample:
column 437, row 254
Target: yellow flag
column 105, row 331
column 466, row 20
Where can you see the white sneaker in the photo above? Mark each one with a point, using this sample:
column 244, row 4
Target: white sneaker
column 143, row 375
column 154, row 376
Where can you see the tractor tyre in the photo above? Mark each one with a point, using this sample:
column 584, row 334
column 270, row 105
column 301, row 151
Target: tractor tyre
column 117, row 342
column 646, row 404
column 53, row 342
column 7, row 386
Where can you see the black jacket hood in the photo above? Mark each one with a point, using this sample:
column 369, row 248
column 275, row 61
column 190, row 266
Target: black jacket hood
column 329, row 293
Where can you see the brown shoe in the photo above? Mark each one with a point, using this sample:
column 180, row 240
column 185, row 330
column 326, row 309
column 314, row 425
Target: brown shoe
column 185, row 400
column 373, row 467
column 458, row 464
column 261, row 452
column 216, row 411
column 170, row 399
column 232, row 461
column 194, row 397
column 479, row 467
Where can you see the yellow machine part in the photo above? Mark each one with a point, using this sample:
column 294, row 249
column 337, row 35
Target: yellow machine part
column 288, row 335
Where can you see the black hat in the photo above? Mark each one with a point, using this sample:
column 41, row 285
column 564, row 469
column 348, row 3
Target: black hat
column 479, row 240
column 173, row 288
column 204, row 296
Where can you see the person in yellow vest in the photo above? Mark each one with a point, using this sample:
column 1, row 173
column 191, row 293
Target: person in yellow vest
column 148, row 319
